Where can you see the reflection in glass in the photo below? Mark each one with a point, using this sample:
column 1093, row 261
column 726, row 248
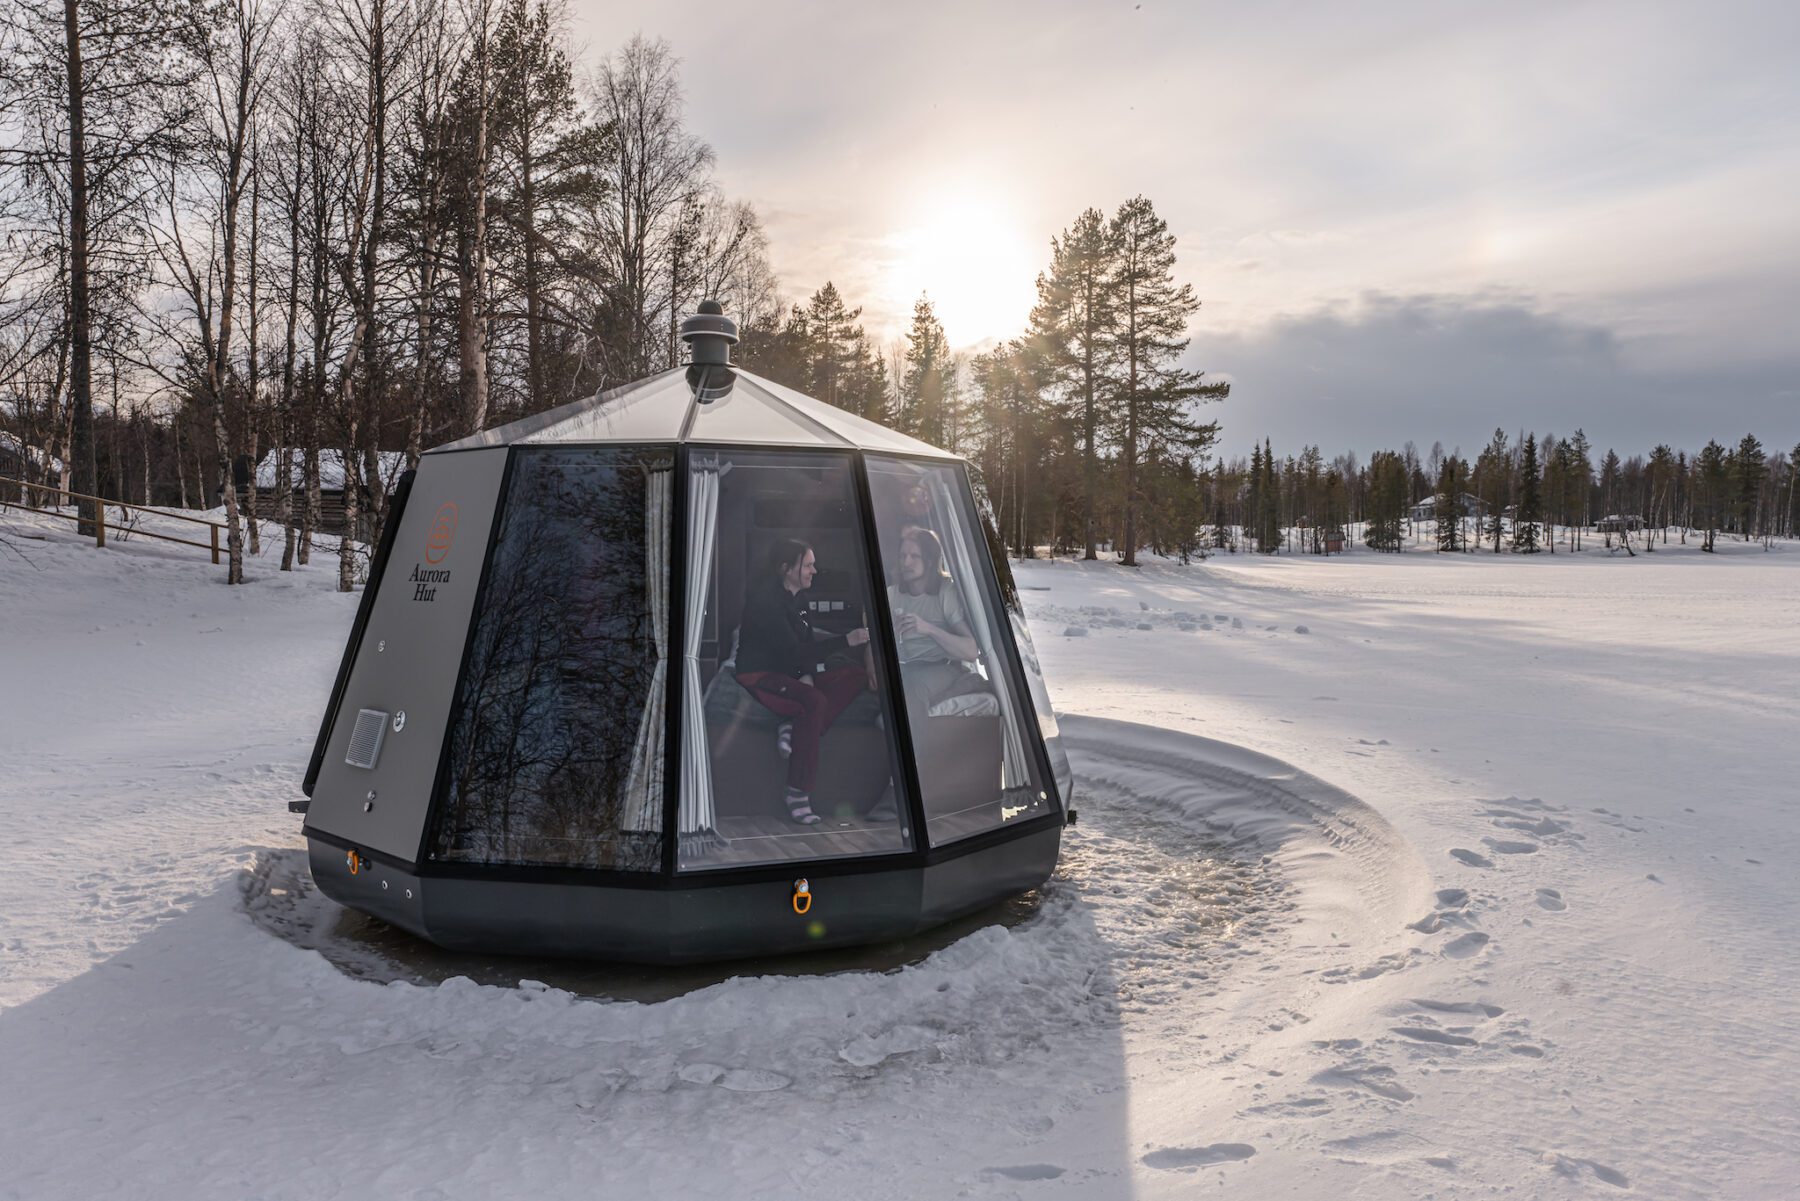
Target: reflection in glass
column 1028, row 657
column 556, row 752
column 788, row 750
column 963, row 711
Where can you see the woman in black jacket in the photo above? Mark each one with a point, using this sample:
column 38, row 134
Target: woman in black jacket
column 778, row 656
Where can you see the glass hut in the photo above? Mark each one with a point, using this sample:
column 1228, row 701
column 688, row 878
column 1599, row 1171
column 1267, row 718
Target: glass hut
column 541, row 739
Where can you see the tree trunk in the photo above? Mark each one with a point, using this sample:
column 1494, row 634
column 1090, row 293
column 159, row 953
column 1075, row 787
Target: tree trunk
column 180, row 463
column 472, row 318
column 1089, row 467
column 1131, row 426
column 81, row 400
column 253, row 386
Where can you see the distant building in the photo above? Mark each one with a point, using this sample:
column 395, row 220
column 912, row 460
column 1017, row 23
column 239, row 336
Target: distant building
column 1614, row 523
column 1472, row 506
column 22, row 461
column 331, row 487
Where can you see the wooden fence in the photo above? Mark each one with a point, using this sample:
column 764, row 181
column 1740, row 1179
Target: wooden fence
column 101, row 526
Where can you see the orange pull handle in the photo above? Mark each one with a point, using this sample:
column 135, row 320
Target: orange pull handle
column 354, row 861
column 802, row 896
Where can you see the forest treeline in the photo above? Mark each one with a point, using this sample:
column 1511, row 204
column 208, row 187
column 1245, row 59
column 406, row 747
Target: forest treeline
column 1525, row 493
column 336, row 231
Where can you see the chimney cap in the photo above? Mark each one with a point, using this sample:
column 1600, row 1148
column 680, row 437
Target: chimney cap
column 709, row 334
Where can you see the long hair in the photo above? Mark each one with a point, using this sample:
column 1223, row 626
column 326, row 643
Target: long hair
column 785, row 553
column 932, row 551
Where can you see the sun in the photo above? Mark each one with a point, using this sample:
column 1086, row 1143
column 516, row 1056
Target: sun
column 969, row 252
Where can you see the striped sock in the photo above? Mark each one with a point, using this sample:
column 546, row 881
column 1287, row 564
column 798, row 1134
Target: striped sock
column 799, row 806
column 784, row 738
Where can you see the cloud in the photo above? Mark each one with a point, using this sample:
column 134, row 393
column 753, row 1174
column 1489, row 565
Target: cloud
column 1383, row 369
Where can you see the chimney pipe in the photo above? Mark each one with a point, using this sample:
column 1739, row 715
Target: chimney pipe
column 710, row 335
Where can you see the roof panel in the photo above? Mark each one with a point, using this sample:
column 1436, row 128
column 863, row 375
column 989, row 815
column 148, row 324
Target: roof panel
column 648, row 410
column 757, row 412
column 854, row 430
column 746, row 415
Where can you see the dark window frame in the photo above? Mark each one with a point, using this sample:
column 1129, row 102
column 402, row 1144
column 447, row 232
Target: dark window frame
column 427, row 861
column 922, row 855
column 969, row 510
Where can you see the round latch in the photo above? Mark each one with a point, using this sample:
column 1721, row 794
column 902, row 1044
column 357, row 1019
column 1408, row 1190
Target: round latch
column 399, row 720
column 802, row 896
column 381, row 646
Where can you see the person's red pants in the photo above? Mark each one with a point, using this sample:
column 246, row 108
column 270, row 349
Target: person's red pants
column 811, row 707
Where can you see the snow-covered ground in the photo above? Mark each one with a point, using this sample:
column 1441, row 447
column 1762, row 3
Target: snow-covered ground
column 1481, row 885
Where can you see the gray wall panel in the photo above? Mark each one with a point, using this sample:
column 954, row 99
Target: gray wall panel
column 410, row 655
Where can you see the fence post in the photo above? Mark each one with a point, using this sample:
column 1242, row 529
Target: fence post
column 99, row 522
column 215, row 545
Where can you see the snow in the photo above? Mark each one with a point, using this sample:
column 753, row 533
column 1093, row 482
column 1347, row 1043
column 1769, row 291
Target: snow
column 1483, row 885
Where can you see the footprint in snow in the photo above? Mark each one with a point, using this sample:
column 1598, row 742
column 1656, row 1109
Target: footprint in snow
column 738, row 1080
column 1175, row 1159
column 1571, row 1167
column 1374, row 1079
column 1463, row 855
column 1502, row 846
column 1479, row 1009
column 1465, row 945
column 1549, row 898
column 1028, row 1171
column 1427, row 1034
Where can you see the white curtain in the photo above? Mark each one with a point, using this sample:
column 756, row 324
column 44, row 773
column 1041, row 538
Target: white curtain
column 698, row 818
column 644, row 787
column 981, row 623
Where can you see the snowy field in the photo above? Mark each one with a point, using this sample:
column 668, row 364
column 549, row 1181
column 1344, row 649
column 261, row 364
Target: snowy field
column 1396, row 877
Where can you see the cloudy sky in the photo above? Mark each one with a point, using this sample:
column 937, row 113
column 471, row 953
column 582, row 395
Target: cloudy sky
column 1404, row 220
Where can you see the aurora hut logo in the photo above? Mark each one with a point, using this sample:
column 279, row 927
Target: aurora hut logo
column 437, row 548
column 442, row 533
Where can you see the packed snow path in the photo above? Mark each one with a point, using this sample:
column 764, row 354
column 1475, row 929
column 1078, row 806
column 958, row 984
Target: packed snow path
column 1552, row 954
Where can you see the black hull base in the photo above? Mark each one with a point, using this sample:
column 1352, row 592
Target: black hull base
column 697, row 923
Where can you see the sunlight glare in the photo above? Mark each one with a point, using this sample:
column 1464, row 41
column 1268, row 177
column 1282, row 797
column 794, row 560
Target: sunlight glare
column 970, row 253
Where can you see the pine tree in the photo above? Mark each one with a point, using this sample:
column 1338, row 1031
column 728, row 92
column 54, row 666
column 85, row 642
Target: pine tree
column 927, row 388
column 1610, row 472
column 544, row 154
column 1493, row 477
column 1793, row 492
column 1578, row 478
column 1152, row 408
column 1662, row 481
column 1712, row 475
column 1388, row 490
column 1073, row 322
column 1252, row 528
column 1452, row 483
column 1268, row 515
column 1749, row 469
column 1531, row 501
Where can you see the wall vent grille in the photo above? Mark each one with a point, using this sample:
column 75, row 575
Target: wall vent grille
column 365, row 739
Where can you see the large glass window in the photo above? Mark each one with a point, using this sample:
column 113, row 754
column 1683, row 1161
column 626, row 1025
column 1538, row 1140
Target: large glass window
column 969, row 725
column 788, row 746
column 557, row 751
column 1028, row 657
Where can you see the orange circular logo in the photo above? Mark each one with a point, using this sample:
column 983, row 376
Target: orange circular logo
column 443, row 533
